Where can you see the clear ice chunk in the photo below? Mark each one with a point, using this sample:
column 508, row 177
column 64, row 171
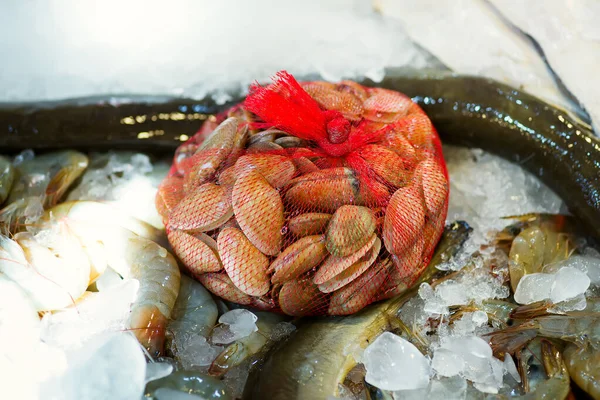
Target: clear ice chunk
column 393, row 363
column 452, row 293
column 470, row 358
column 157, row 370
column 569, row 282
column 565, row 284
column 94, row 313
column 239, row 324
column 471, row 345
column 446, row 363
column 108, row 366
column 454, row 388
column 480, row 317
column 511, row 368
column 577, row 303
column 194, row 351
column 534, row 287
column 588, row 263
column 108, row 279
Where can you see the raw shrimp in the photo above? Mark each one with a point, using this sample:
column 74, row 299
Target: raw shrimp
column 54, row 274
column 545, row 307
column 244, row 348
column 195, row 311
column 47, row 176
column 580, row 328
column 39, row 182
column 135, row 257
column 557, row 384
column 190, row 382
column 17, row 312
column 541, row 243
column 498, row 311
column 7, row 174
column 75, row 243
column 583, row 364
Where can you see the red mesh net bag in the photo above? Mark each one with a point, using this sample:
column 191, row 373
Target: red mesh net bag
column 312, row 198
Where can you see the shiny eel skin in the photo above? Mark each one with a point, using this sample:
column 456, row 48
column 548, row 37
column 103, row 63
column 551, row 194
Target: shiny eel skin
column 466, row 110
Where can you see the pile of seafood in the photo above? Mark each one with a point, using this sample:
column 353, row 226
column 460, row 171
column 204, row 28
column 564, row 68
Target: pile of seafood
column 308, row 199
column 56, row 250
column 506, row 306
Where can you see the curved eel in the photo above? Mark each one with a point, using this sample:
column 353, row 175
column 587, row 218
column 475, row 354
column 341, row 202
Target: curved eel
column 466, row 110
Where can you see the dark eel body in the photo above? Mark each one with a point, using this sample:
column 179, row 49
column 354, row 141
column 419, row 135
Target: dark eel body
column 467, row 111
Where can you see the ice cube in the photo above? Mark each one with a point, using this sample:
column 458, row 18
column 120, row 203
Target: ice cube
column 393, row 363
column 454, row 388
column 477, row 369
column 569, row 282
column 193, row 350
column 510, row 368
column 479, row 365
column 587, row 263
column 447, row 363
column 497, row 372
column 426, row 291
column 25, row 362
column 108, row 279
column 480, row 317
column 435, row 305
column 108, row 366
column 157, row 370
column 414, row 394
column 221, row 334
column 94, row 313
column 464, row 326
column 241, row 324
column 471, row 345
column 534, row 287
column 489, row 379
column 452, row 293
column 577, row 303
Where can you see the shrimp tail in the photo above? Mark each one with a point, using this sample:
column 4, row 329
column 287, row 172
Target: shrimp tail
column 510, row 340
column 149, row 326
column 554, row 364
column 533, row 310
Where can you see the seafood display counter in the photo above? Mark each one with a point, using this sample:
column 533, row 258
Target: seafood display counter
column 104, row 301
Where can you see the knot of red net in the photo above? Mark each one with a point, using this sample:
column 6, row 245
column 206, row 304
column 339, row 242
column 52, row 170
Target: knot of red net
column 338, row 127
column 287, row 106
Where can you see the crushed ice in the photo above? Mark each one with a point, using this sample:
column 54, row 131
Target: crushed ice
column 128, row 181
